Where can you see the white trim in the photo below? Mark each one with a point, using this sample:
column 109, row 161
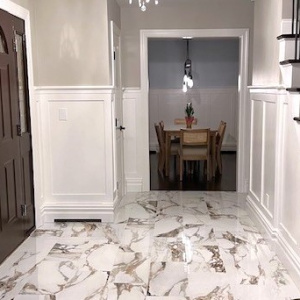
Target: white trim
column 264, row 222
column 67, row 89
column 279, row 241
column 134, row 185
column 243, row 35
column 51, row 211
column 24, row 14
column 267, row 89
column 114, row 29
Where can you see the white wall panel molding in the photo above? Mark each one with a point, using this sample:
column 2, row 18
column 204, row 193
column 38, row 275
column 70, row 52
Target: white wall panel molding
column 134, row 185
column 267, row 89
column 255, row 211
column 133, row 161
column 77, row 137
column 273, row 197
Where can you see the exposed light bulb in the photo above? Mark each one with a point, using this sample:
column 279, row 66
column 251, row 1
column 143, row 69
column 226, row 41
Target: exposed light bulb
column 185, row 78
column 190, row 82
column 184, row 88
column 143, row 3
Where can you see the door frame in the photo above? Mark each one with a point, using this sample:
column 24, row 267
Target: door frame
column 115, row 31
column 24, row 14
column 243, row 35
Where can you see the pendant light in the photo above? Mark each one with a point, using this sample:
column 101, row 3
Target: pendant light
column 187, row 78
column 143, row 3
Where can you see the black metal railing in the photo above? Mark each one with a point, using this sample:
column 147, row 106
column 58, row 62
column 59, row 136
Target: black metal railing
column 296, row 27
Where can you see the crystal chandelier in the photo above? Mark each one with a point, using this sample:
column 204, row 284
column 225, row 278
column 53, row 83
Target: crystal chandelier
column 143, row 3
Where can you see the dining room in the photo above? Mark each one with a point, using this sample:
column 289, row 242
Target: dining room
column 203, row 73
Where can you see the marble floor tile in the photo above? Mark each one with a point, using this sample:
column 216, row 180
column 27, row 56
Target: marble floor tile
column 162, row 245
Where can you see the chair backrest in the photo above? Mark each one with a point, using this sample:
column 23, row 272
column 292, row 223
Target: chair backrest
column 179, row 121
column 221, row 133
column 162, row 125
column 195, row 137
column 160, row 138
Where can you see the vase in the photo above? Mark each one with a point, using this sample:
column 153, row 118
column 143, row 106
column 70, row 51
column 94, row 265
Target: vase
column 189, row 121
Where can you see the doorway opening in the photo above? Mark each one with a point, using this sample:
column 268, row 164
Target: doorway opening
column 214, row 96
column 243, row 36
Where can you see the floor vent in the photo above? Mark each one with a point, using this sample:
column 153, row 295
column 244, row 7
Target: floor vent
column 77, row 220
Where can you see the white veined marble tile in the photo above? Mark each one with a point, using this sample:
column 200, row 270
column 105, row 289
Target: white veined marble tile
column 35, row 297
column 122, row 291
column 168, row 278
column 168, row 250
column 137, row 239
column 165, row 298
column 131, row 268
column 169, row 226
column 163, row 245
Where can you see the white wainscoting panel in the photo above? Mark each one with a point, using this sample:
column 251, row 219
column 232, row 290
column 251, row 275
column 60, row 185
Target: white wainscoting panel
column 273, row 198
column 256, row 148
column 77, row 139
column 211, row 105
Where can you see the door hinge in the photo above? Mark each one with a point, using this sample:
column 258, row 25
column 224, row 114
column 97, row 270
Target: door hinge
column 24, row 37
column 15, row 45
column 114, row 55
column 23, row 210
column 19, row 130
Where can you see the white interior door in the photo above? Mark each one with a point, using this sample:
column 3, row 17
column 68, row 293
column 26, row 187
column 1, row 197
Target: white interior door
column 118, row 109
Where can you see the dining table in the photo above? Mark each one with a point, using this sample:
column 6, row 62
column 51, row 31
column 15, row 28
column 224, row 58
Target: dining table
column 173, row 131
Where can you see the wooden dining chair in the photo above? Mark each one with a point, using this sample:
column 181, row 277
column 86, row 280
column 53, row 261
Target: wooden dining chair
column 162, row 147
column 219, row 142
column 179, row 121
column 194, row 146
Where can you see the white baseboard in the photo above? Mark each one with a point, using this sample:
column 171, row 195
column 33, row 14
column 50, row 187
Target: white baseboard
column 104, row 211
column 277, row 241
column 133, row 185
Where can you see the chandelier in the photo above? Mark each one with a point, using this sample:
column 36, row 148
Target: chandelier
column 143, row 3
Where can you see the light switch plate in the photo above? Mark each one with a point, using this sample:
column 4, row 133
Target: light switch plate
column 62, row 114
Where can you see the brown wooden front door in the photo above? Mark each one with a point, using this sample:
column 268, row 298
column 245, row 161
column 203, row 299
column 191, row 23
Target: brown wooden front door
column 16, row 172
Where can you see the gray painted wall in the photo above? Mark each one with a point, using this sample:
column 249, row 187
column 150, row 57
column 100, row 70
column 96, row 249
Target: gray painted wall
column 215, row 62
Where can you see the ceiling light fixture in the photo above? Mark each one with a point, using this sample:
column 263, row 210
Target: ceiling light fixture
column 143, row 3
column 187, row 78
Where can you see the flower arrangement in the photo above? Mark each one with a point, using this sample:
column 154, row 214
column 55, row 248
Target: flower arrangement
column 189, row 110
column 189, row 115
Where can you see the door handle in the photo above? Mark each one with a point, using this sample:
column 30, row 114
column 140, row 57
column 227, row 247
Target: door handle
column 121, row 128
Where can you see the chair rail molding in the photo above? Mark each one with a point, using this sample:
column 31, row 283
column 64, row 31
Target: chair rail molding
column 243, row 35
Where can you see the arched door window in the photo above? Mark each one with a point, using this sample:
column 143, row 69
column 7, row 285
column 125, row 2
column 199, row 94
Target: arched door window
column 3, row 44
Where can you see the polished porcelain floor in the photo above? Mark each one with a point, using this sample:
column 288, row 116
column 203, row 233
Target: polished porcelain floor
column 162, row 246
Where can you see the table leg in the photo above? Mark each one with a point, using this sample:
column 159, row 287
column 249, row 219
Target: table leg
column 213, row 156
column 167, row 153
